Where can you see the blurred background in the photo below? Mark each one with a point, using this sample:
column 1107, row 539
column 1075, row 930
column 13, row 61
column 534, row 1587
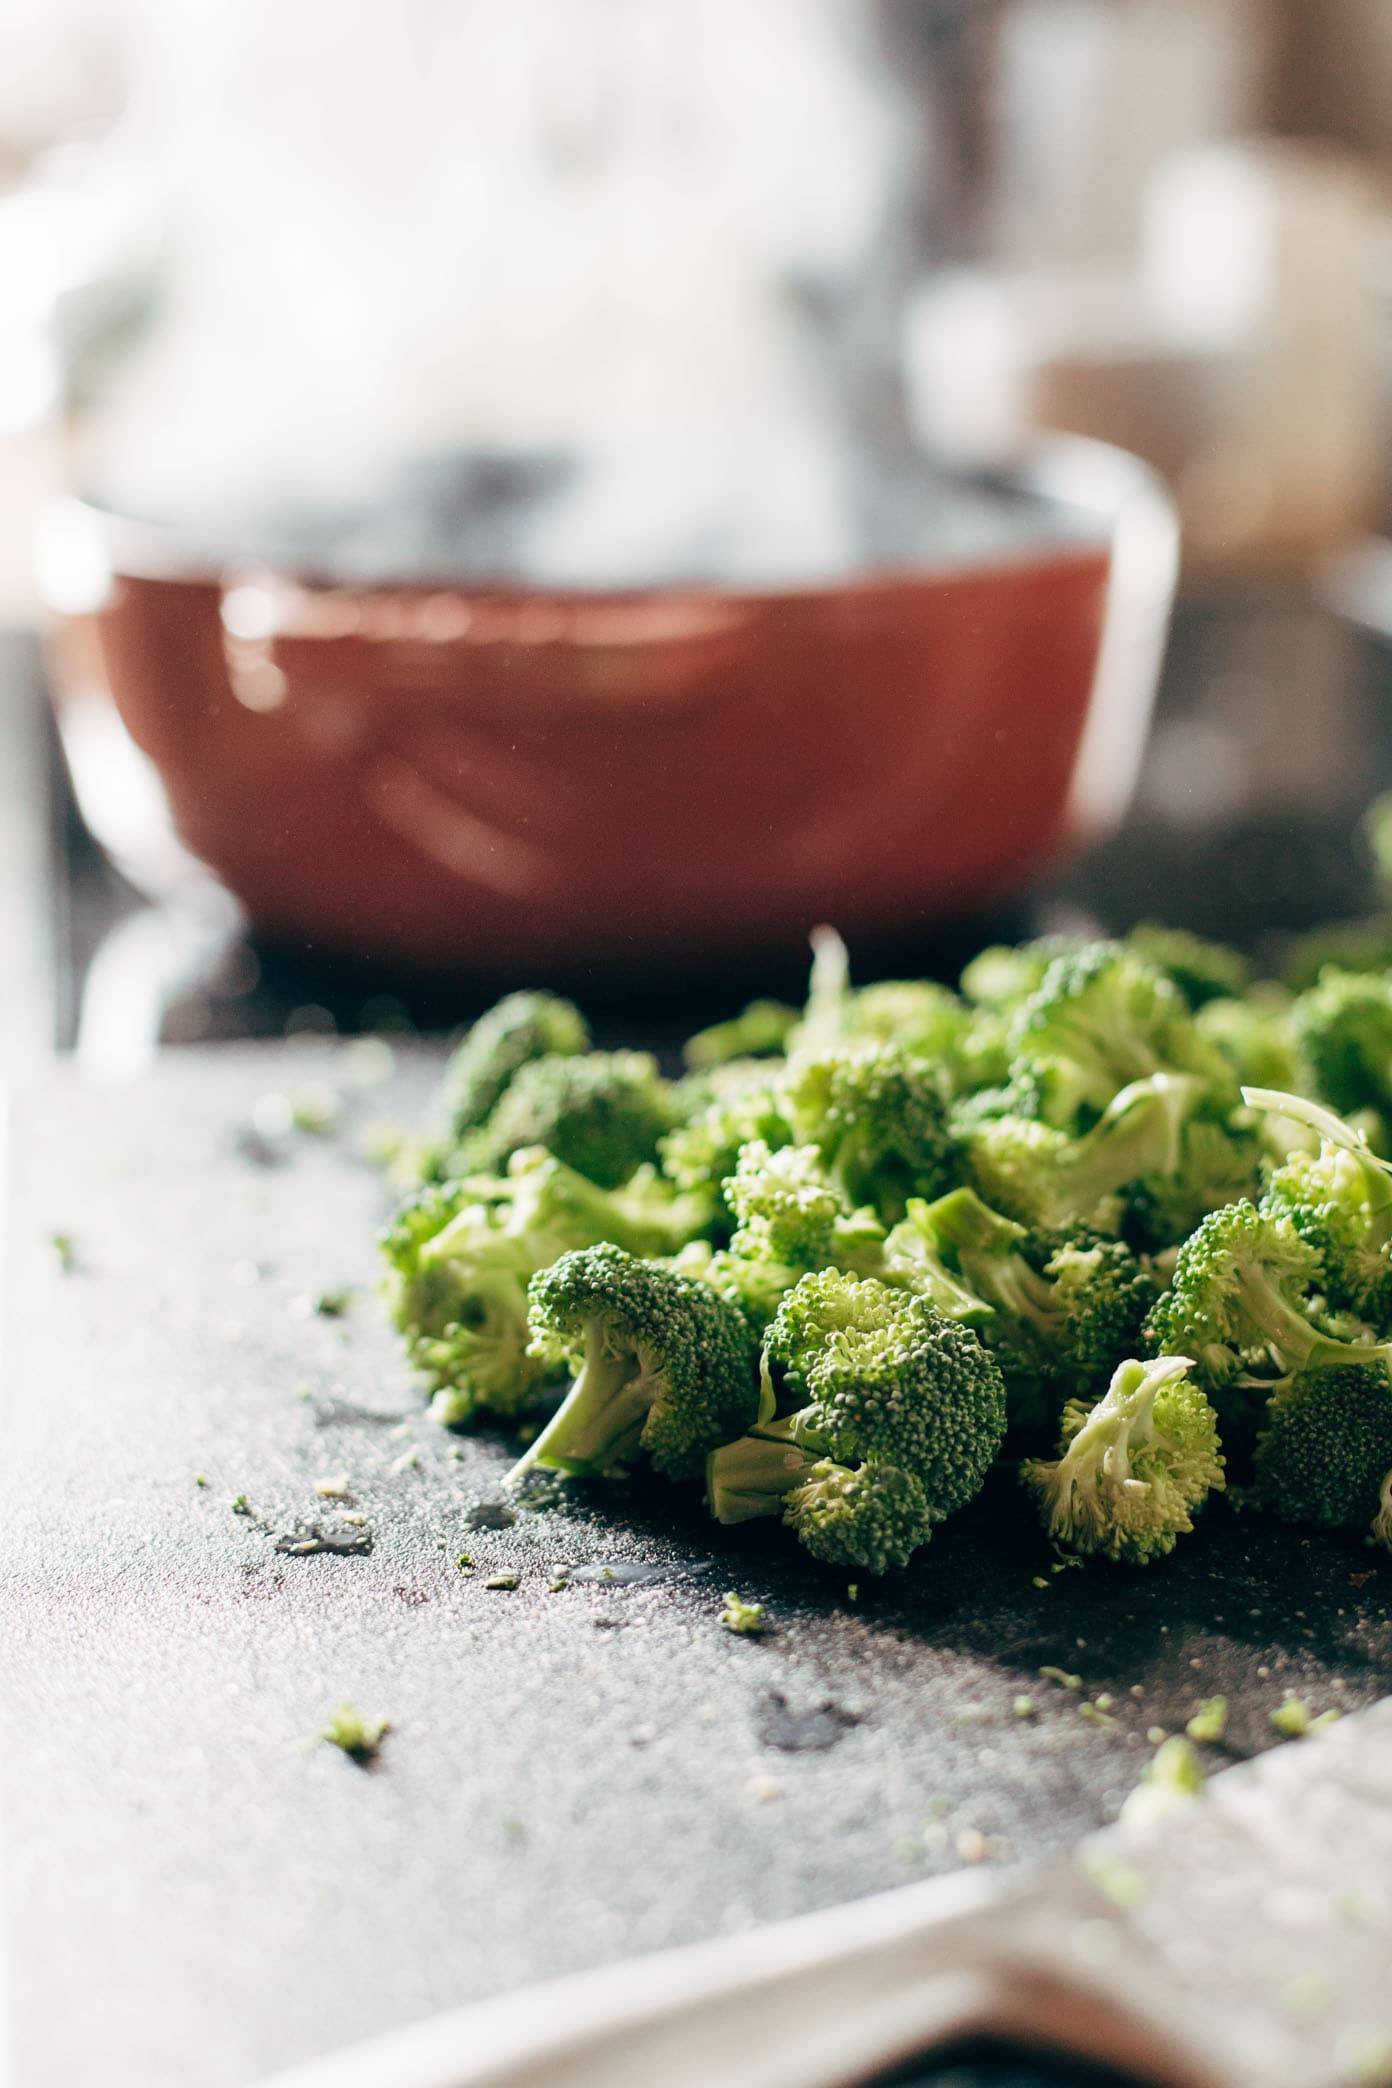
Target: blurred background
column 579, row 490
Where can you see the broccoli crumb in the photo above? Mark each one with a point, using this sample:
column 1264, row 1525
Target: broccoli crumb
column 1210, row 1721
column 200, row 1479
column 1174, row 1777
column 332, row 1487
column 1023, row 1707
column 1039, row 1581
column 1294, row 1719
column 1122, row 1884
column 557, row 1583
column 465, row 1562
column 1093, row 1712
column 1156, row 1736
column 333, row 1304
column 241, row 1505
column 1062, row 1677
column 359, row 1737
column 504, row 1581
column 64, row 1250
column 745, row 1619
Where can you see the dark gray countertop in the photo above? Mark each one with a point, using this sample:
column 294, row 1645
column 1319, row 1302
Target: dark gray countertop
column 199, row 1895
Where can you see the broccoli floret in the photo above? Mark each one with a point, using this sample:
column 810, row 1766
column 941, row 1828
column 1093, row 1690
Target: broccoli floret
column 1041, row 1176
column 1343, row 1026
column 602, row 1112
column 787, row 1208
column 1132, row 1469
column 1254, row 1036
column 790, row 1218
column 457, row 1292
column 460, row 1256
column 665, row 1366
column 899, row 1414
column 1100, row 1019
column 1203, row 971
column 1064, row 1310
column 739, row 1106
column 1363, row 945
column 921, row 1017
column 1327, row 1447
column 523, row 1027
column 762, row 1029
column 1244, row 1302
column 1339, row 1200
column 1219, row 1162
column 1005, row 974
column 876, row 1116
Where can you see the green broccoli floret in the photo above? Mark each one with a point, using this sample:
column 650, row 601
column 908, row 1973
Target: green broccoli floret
column 1132, row 1469
column 1064, row 1310
column 876, row 1116
column 1361, row 945
column 899, row 1414
column 456, row 1287
column 739, row 1106
column 761, row 1029
column 1343, row 1026
column 602, row 1112
column 921, row 1017
column 1100, row 1019
column 1244, row 1301
column 787, row 1208
column 1254, row 1036
column 460, row 1256
column 1006, row 974
column 1041, row 1176
column 1327, row 1447
column 1339, row 1200
column 1219, row 1162
column 789, row 1218
column 665, row 1366
column 523, row 1027
column 1203, row 971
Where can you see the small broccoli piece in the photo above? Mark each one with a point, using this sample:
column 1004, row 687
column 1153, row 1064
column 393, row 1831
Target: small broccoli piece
column 1360, row 945
column 355, row 1734
column 876, row 1116
column 602, row 1113
column 1219, row 1162
column 1100, row 1019
column 1254, row 1036
column 666, row 1366
column 1005, row 974
column 1043, row 1177
column 1133, row 1468
column 1243, row 1302
column 1064, row 1309
column 762, row 1029
column 740, row 1107
column 745, row 1619
column 1339, row 1200
column 1380, row 1530
column 1173, row 1779
column 456, row 1285
column 899, row 1414
column 788, row 1209
column 523, row 1027
column 460, row 1255
column 921, row 1017
column 1326, row 1447
column 1343, row 1026
column 1202, row 970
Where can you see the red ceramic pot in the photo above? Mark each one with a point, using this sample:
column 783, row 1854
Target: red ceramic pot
column 509, row 781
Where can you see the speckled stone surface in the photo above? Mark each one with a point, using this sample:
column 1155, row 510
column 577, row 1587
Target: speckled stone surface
column 573, row 1774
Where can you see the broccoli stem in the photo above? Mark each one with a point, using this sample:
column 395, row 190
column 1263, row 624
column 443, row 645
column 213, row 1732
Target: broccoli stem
column 1139, row 1134
column 597, row 1427
column 1292, row 1342
column 751, row 1477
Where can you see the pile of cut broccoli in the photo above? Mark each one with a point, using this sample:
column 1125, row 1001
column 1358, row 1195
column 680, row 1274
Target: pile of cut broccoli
column 1114, row 1212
